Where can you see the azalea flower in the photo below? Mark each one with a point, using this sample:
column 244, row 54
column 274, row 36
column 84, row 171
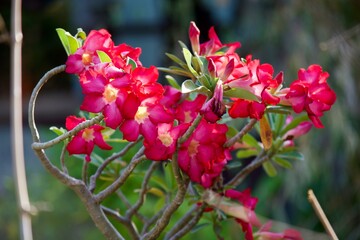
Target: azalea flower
column 288, row 234
column 311, row 93
column 86, row 55
column 202, row 156
column 299, row 130
column 85, row 140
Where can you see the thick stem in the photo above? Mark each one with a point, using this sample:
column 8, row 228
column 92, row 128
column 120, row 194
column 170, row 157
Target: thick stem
column 24, row 206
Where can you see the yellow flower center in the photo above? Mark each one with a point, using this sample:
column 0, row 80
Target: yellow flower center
column 193, row 147
column 86, row 59
column 166, row 139
column 141, row 114
column 110, row 93
column 88, row 134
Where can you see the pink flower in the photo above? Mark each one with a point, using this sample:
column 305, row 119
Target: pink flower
column 162, row 145
column 212, row 46
column 85, row 140
column 287, row 234
column 145, row 83
column 202, row 157
column 249, row 203
column 86, row 55
column 299, row 130
column 105, row 95
column 121, row 55
column 242, row 108
column 187, row 110
column 145, row 120
column 311, row 93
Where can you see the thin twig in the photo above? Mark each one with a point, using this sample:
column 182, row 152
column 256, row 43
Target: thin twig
column 190, row 224
column 240, row 134
column 190, row 130
column 144, row 188
column 257, row 162
column 320, row 213
column 62, row 160
column 163, row 221
column 84, row 172
column 123, row 198
column 182, row 222
column 110, row 159
column 138, row 158
column 123, row 220
column 72, row 132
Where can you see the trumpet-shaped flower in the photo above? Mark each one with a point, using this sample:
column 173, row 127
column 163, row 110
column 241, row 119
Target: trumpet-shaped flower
column 311, row 93
column 162, row 145
column 105, row 95
column 202, row 156
column 85, row 140
column 86, row 55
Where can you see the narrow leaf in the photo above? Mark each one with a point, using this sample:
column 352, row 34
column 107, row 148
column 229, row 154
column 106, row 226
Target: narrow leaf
column 64, row 40
column 246, row 153
column 251, row 141
column 177, row 60
column 282, row 162
column 189, row 86
column 58, row 131
column 265, row 133
column 103, row 56
column 294, row 155
column 188, row 59
column 240, row 93
column 269, row 169
column 73, row 43
column 172, row 81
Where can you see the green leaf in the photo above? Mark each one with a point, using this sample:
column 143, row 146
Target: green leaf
column 269, row 169
column 132, row 63
column 189, row 86
column 246, row 153
column 294, row 155
column 233, row 164
column 183, row 45
column 104, row 58
column 251, row 141
column 176, row 71
column 80, row 34
column 188, row 59
column 282, row 162
column 64, row 40
column 58, row 131
column 294, row 123
column 240, row 93
column 73, row 43
column 231, row 132
column 177, row 60
column 172, row 81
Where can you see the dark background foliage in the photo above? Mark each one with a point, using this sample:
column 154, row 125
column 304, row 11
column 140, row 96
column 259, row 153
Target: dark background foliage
column 287, row 34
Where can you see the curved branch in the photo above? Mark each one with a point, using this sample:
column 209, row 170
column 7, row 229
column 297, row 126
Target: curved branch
column 257, row 162
column 131, row 211
column 98, row 172
column 240, row 134
column 72, row 132
column 138, row 158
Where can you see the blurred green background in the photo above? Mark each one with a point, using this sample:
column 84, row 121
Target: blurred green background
column 287, row 34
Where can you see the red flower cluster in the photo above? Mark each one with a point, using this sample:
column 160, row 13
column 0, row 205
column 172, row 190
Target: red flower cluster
column 131, row 100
